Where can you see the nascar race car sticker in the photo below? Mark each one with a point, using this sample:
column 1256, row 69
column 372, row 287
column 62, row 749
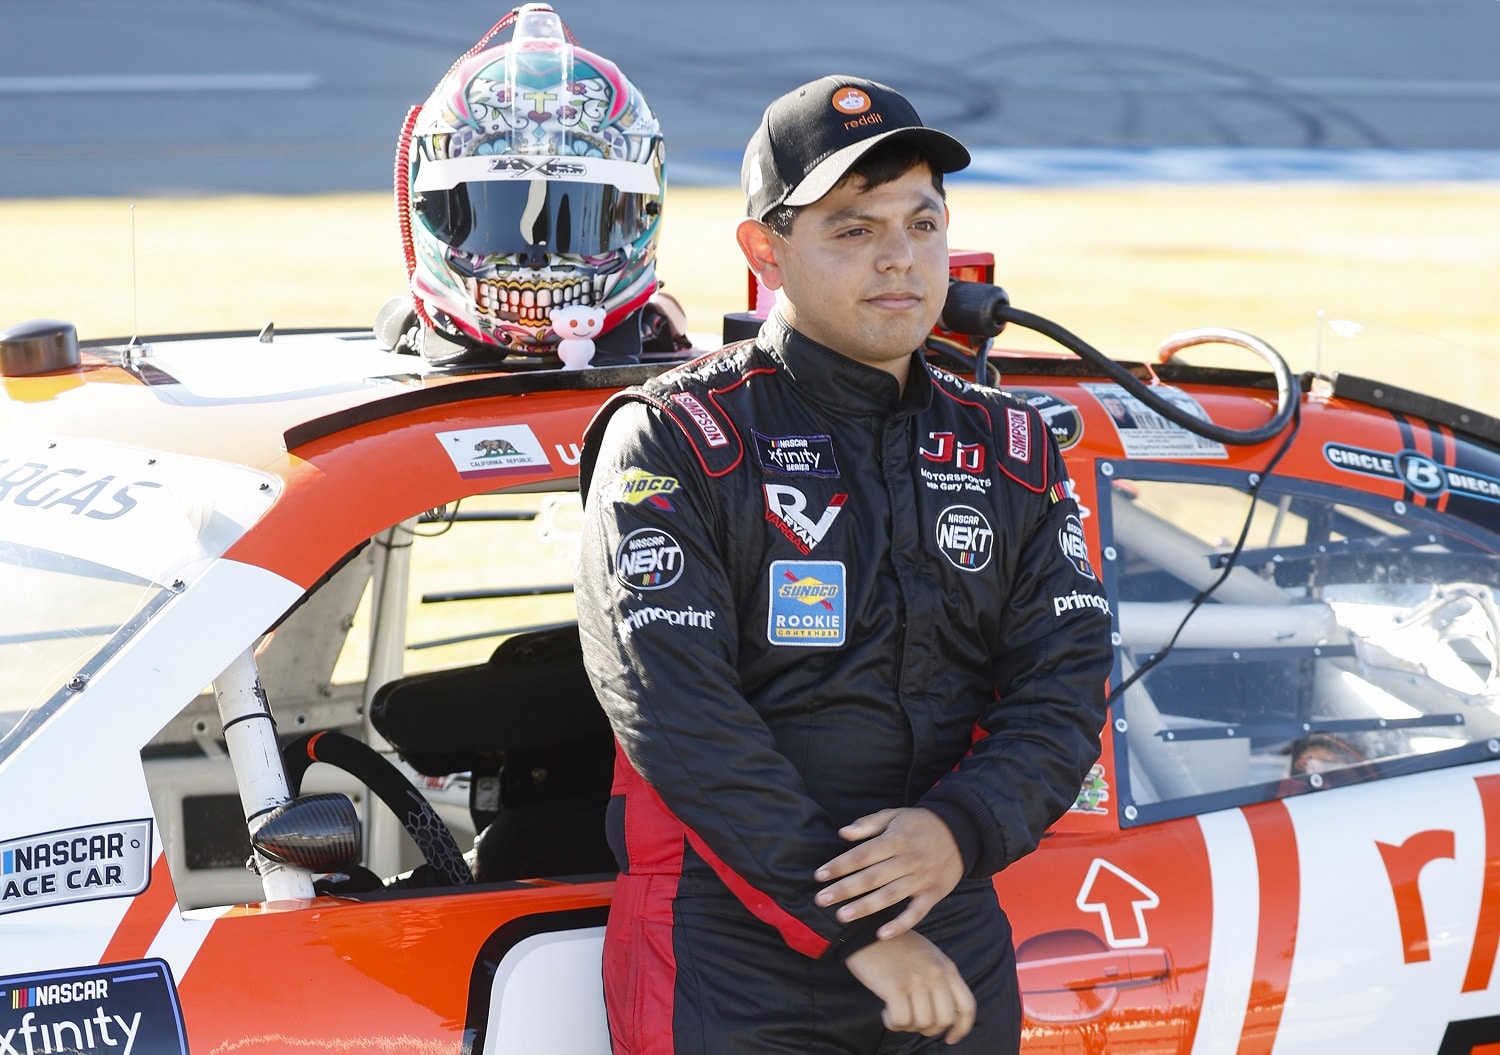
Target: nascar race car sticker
column 1146, row 434
column 965, row 537
column 648, row 559
column 786, row 507
column 1071, row 541
column 796, row 455
column 90, row 863
column 635, row 486
column 1416, row 471
column 808, row 603
column 501, row 450
column 119, row 1008
column 1061, row 417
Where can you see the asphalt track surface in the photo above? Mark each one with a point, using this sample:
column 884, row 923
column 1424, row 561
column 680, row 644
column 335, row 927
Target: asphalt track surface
column 172, row 97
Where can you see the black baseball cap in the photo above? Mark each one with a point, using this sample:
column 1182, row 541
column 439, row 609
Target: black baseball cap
column 812, row 135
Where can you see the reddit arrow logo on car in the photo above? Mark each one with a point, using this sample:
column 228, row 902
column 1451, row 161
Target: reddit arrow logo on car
column 1121, row 901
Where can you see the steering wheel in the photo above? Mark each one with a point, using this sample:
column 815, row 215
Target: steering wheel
column 390, row 786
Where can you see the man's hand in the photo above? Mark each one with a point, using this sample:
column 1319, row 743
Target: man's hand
column 904, row 853
column 922, row 990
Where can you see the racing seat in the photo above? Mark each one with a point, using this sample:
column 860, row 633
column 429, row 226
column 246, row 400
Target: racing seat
column 528, row 729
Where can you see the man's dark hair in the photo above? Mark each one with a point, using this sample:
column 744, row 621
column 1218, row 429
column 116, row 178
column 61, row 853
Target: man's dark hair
column 889, row 161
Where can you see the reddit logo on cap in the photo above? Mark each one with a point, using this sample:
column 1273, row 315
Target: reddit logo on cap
column 850, row 101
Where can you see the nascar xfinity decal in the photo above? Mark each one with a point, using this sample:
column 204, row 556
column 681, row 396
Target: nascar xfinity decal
column 1146, row 434
column 1417, row 471
column 1071, row 541
column 808, row 603
column 796, row 455
column 965, row 537
column 91, row 863
column 786, row 507
column 119, row 1008
column 1061, row 417
column 498, row 451
column 648, row 559
column 634, row 486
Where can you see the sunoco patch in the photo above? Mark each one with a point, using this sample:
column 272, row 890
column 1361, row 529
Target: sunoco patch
column 796, row 455
column 808, row 603
column 90, row 863
column 119, row 1008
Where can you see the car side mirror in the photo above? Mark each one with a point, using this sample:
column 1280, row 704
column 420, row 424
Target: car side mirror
column 320, row 833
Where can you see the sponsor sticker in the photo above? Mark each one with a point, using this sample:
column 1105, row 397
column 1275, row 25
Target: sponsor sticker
column 713, row 433
column 1414, row 469
column 796, row 455
column 1146, row 434
column 1071, row 541
column 786, row 507
column 808, row 603
column 634, row 486
column 1018, row 433
column 1061, row 417
column 90, row 863
column 1094, row 792
column 120, row 1008
column 965, row 537
column 500, row 450
column 648, row 559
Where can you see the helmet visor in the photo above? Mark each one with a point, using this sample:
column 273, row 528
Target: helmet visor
column 513, row 216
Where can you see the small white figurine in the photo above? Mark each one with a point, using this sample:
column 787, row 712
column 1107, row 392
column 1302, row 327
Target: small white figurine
column 577, row 325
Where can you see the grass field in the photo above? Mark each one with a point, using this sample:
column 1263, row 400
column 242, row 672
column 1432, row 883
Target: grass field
column 1122, row 267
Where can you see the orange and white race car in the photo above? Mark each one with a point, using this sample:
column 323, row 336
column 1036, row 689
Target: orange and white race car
column 327, row 586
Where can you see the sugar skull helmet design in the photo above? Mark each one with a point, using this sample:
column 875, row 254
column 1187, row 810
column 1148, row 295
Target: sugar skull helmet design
column 531, row 179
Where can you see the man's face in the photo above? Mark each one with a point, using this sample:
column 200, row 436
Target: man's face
column 865, row 270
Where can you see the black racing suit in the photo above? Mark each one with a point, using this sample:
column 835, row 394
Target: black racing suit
column 806, row 596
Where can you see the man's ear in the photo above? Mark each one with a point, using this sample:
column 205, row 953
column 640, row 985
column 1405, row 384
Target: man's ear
column 759, row 245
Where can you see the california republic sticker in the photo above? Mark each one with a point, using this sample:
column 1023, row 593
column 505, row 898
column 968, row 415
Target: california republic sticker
column 500, row 450
column 965, row 537
column 648, row 559
column 120, row 1008
column 75, row 864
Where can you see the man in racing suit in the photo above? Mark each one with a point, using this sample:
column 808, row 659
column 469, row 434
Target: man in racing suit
column 832, row 596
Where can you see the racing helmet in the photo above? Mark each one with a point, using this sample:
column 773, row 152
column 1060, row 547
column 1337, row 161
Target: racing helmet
column 530, row 180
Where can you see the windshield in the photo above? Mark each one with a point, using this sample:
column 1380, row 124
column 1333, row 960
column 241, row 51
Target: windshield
column 93, row 539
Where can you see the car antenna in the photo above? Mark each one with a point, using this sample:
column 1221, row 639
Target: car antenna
column 134, row 350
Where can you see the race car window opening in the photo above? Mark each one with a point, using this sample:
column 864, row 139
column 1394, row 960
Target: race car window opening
column 483, row 569
column 1351, row 640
